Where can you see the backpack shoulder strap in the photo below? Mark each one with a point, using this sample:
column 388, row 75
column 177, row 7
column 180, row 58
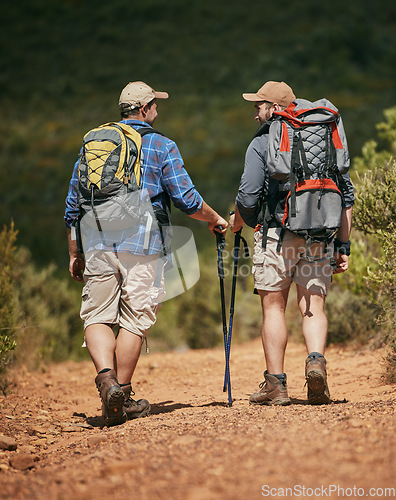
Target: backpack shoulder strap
column 135, row 135
column 147, row 130
column 263, row 129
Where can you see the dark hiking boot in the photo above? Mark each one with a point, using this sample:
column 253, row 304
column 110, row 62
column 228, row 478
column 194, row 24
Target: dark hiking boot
column 272, row 392
column 316, row 380
column 112, row 398
column 132, row 408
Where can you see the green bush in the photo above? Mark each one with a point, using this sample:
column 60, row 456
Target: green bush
column 46, row 311
column 350, row 308
column 375, row 215
column 7, row 330
column 55, row 87
column 39, row 321
column 351, row 317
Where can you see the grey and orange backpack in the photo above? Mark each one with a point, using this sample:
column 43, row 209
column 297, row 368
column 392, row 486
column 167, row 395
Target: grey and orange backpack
column 307, row 154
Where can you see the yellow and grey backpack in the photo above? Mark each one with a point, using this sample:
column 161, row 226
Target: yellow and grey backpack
column 109, row 194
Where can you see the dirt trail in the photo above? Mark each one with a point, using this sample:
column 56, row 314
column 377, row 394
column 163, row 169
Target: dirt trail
column 193, row 446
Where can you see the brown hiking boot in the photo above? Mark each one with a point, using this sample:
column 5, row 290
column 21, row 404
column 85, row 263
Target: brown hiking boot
column 272, row 392
column 112, row 398
column 132, row 408
column 316, row 380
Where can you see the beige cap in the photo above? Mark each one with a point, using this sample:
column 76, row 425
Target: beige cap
column 278, row 92
column 137, row 94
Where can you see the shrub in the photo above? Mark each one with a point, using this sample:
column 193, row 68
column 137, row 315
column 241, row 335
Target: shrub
column 7, row 330
column 375, row 215
column 46, row 311
column 350, row 308
column 39, row 320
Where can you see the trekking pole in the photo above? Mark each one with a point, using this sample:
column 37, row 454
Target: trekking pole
column 237, row 244
column 220, row 241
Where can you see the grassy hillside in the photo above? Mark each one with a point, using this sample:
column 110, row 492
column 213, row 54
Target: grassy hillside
column 63, row 65
column 65, row 62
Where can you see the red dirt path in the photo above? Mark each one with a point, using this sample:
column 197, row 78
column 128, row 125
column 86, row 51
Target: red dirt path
column 193, row 446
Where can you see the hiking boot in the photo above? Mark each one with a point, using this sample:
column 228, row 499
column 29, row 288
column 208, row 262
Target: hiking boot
column 316, row 380
column 132, row 408
column 112, row 398
column 272, row 392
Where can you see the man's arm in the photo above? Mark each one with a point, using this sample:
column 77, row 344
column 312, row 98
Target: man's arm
column 207, row 214
column 253, row 182
column 76, row 261
column 180, row 188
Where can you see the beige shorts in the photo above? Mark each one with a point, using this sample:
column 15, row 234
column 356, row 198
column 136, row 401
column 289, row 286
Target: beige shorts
column 122, row 289
column 275, row 271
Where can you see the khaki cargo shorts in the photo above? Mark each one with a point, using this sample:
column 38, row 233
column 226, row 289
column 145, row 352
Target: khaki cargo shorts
column 275, row 271
column 122, row 289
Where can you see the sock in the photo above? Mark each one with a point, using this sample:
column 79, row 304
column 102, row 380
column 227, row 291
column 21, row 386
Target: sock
column 279, row 376
column 314, row 355
column 104, row 370
column 123, row 385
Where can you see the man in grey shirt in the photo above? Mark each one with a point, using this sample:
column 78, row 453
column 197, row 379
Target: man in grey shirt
column 275, row 269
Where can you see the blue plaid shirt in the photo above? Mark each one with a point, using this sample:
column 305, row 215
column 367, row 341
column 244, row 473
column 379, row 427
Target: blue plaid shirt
column 163, row 176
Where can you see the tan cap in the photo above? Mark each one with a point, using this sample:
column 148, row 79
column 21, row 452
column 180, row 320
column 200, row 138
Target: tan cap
column 278, row 92
column 137, row 94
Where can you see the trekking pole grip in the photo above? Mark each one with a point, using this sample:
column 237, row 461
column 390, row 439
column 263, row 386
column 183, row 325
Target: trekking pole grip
column 220, row 240
column 220, row 243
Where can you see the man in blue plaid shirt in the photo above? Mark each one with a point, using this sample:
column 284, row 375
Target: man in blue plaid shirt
column 118, row 279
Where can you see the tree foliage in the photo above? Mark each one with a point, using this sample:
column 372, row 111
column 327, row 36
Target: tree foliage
column 7, row 261
column 375, row 214
column 39, row 320
column 55, row 86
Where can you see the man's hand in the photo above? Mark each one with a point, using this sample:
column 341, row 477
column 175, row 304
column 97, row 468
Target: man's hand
column 76, row 261
column 76, row 267
column 233, row 225
column 236, row 221
column 342, row 263
column 214, row 227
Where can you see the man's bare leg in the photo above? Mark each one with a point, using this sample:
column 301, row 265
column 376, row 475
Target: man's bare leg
column 315, row 334
column 127, row 353
column 101, row 345
column 273, row 391
column 314, row 320
column 274, row 330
